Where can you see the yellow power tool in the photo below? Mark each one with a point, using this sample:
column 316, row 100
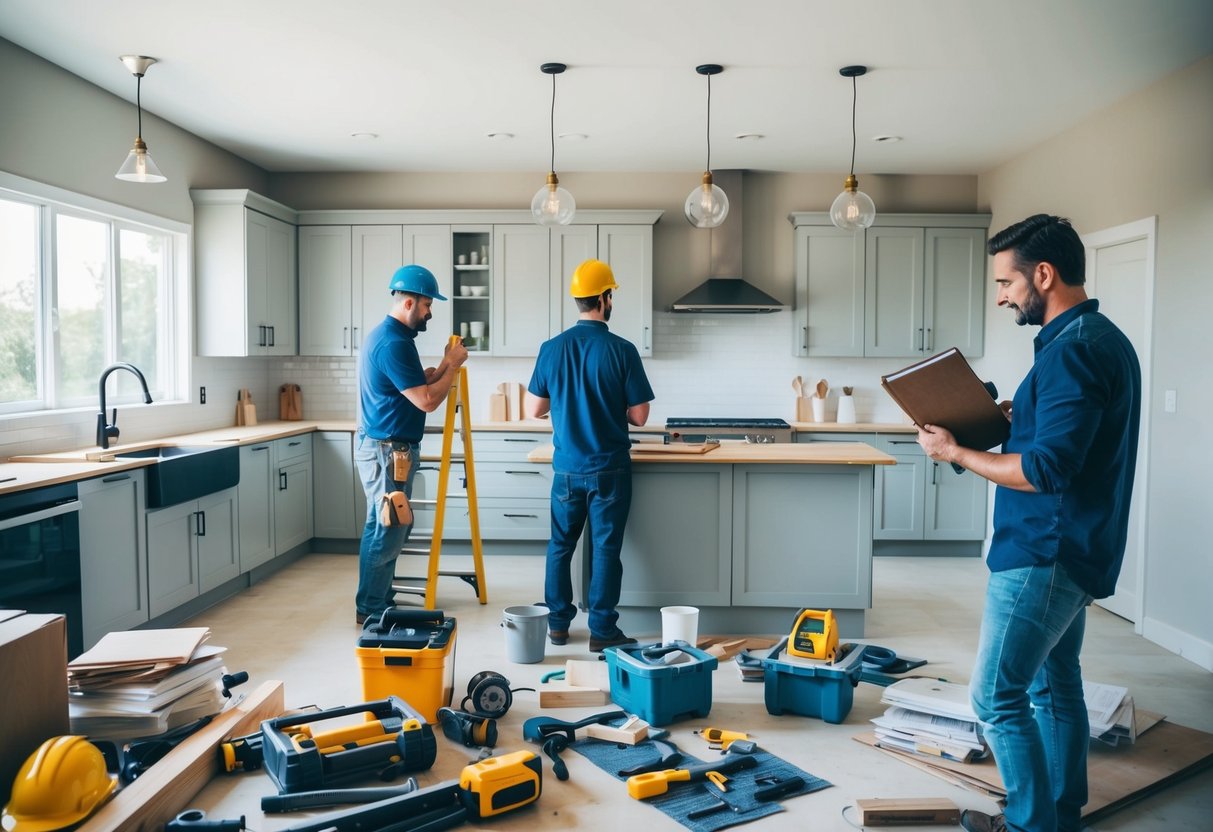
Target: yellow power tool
column 814, row 635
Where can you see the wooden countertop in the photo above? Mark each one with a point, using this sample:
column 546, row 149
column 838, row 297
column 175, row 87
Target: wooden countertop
column 825, row 453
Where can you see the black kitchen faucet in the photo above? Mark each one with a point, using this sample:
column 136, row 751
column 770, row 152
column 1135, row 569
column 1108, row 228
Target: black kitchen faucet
column 105, row 430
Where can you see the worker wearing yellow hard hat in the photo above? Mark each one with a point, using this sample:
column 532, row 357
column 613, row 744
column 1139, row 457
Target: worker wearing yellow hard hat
column 593, row 384
column 58, row 786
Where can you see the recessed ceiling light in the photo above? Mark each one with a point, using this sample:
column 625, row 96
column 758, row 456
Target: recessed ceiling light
column 573, row 137
column 500, row 135
column 749, row 137
column 364, row 135
column 887, row 139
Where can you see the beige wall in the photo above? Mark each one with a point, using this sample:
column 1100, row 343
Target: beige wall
column 1150, row 154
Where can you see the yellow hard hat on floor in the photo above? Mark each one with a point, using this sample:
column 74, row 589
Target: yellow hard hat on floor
column 592, row 278
column 60, row 785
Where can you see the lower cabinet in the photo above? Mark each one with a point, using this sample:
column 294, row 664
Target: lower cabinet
column 920, row 499
column 192, row 547
column 337, row 490
column 113, row 554
column 256, row 504
column 275, row 498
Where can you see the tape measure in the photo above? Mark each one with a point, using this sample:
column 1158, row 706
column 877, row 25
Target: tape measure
column 814, row 635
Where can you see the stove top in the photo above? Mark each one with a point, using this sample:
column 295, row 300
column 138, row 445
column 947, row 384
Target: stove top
column 727, row 423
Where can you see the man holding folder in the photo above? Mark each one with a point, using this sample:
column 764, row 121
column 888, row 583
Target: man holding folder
column 1061, row 512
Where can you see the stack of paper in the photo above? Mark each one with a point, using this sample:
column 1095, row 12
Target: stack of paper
column 1110, row 712
column 931, row 718
column 144, row 682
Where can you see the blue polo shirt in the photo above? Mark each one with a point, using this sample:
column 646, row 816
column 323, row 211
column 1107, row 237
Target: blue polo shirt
column 1074, row 421
column 591, row 376
column 389, row 365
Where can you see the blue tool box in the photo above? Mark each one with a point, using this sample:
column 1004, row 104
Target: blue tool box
column 811, row 687
column 643, row 683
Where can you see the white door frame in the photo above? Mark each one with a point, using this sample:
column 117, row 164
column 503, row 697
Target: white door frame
column 1145, row 229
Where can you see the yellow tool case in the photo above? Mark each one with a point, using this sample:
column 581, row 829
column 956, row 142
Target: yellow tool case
column 409, row 653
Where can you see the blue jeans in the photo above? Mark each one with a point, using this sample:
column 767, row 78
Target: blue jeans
column 602, row 500
column 380, row 544
column 1027, row 692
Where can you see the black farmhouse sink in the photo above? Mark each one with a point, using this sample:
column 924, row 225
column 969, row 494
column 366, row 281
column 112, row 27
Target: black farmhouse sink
column 186, row 472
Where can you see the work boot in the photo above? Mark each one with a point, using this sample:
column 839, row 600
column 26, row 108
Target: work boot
column 360, row 617
column 973, row 821
column 597, row 645
column 558, row 637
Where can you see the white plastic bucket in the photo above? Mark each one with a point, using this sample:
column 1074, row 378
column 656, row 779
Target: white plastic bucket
column 680, row 624
column 525, row 633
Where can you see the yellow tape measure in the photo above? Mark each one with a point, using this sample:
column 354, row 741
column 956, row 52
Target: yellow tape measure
column 814, row 635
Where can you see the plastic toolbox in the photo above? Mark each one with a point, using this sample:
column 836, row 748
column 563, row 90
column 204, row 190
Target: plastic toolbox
column 409, row 653
column 810, row 687
column 657, row 685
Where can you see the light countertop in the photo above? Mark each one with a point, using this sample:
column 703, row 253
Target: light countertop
column 825, row 453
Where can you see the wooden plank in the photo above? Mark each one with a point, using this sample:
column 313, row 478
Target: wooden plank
column 630, row 732
column 571, row 696
column 169, row 785
column 583, row 674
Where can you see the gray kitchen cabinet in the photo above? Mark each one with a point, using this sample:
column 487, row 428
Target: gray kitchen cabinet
column 293, row 492
column 335, row 492
column 113, row 554
column 830, row 562
column 325, row 291
column 425, row 245
column 571, row 245
column 256, row 504
column 520, row 290
column 192, row 547
column 909, row 286
column 628, row 249
column 246, row 282
column 920, row 499
column 680, row 549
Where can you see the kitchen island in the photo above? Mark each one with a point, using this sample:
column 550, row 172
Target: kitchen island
column 749, row 534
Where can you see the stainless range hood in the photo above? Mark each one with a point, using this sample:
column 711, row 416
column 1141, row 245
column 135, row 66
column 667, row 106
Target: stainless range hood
column 725, row 291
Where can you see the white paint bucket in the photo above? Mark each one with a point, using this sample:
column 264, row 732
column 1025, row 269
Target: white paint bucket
column 525, row 633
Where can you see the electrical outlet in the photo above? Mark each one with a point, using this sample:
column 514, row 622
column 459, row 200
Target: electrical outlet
column 201, row 395
column 1168, row 401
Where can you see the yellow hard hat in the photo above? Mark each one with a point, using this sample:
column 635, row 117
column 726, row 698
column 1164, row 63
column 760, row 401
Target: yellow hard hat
column 60, row 785
column 592, row 278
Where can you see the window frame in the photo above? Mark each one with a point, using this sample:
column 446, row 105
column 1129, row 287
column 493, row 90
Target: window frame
column 175, row 349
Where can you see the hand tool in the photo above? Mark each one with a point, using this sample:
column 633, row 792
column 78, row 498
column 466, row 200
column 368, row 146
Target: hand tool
column 719, row 738
column 539, row 728
column 653, row 783
column 192, row 819
column 718, row 806
column 670, row 756
column 242, row 753
column 814, row 635
column 490, row 694
column 501, row 784
column 332, row 797
column 779, row 788
column 468, row 729
column 742, row 747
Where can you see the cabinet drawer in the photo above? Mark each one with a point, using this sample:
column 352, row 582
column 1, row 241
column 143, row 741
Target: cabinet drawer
column 868, row 438
column 505, row 447
column 904, row 444
column 499, row 520
column 512, row 480
column 293, row 447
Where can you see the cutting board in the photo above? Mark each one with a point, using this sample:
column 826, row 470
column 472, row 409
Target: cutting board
column 674, row 447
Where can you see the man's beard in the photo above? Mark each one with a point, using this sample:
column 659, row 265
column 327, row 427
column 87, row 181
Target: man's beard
column 606, row 313
column 420, row 326
column 1032, row 313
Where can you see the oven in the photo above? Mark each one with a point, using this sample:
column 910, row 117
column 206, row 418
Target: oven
column 40, row 555
column 755, row 431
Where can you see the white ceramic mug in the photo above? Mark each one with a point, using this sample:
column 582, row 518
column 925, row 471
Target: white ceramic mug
column 461, row 260
column 474, row 257
column 463, row 330
column 477, row 328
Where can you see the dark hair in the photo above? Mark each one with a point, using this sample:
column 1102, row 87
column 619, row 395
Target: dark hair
column 591, row 303
column 1044, row 238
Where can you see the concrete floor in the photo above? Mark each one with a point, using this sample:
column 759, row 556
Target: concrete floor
column 298, row 627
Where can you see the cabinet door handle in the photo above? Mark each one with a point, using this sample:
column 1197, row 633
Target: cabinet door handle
column 532, row 441
column 200, row 522
column 903, row 442
column 531, row 516
column 354, row 342
column 116, row 478
column 930, row 340
column 260, row 448
column 647, row 345
column 293, row 444
column 345, row 333
column 920, row 341
column 535, row 473
column 261, row 335
column 282, row 480
column 934, row 471
column 804, row 342
column 271, row 329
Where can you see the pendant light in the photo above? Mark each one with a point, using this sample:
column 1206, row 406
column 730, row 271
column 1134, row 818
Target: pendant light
column 707, row 206
column 139, row 166
column 552, row 204
column 852, row 209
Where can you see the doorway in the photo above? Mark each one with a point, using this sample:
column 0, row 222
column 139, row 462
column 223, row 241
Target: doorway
column 1120, row 273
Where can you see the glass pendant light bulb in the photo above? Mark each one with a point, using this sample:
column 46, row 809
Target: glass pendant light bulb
column 139, row 166
column 552, row 204
column 852, row 209
column 707, row 206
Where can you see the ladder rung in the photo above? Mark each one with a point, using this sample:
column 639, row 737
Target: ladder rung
column 414, row 550
column 423, row 502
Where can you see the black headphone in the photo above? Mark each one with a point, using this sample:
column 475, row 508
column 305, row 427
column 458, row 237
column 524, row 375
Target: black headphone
column 490, row 695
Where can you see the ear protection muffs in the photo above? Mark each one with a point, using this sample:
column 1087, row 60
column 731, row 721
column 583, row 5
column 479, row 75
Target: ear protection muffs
column 490, row 695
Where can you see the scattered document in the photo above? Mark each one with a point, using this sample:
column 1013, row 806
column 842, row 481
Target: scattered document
column 1110, row 712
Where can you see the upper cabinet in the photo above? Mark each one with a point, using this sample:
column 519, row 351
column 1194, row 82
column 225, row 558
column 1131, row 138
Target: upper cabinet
column 244, row 248
column 909, row 286
column 506, row 278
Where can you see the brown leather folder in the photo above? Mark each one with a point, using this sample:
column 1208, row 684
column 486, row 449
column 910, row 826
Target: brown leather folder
column 943, row 390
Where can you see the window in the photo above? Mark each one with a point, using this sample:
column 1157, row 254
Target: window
column 82, row 288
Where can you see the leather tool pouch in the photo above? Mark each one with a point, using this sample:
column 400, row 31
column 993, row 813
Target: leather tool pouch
column 394, row 510
column 402, row 461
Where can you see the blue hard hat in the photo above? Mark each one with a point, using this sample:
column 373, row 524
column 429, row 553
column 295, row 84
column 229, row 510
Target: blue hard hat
column 416, row 279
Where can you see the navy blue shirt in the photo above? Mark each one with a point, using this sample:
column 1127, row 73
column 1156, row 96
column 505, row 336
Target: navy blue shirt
column 591, row 376
column 389, row 365
column 1074, row 420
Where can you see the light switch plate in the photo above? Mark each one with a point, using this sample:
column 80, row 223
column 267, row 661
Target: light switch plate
column 1168, row 401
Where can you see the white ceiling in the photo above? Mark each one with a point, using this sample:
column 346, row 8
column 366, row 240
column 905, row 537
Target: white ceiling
column 967, row 84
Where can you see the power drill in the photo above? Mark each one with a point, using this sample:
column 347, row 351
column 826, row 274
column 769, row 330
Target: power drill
column 468, row 729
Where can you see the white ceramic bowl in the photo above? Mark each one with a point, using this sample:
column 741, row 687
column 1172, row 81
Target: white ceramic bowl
column 478, row 291
column 465, row 291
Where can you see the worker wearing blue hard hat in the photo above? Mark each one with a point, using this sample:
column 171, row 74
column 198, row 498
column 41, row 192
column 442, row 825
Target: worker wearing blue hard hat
column 394, row 394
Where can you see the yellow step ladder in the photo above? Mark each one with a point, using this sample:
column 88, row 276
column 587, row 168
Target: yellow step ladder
column 456, row 401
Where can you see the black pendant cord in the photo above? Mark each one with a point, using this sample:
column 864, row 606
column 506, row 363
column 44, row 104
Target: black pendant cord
column 139, row 102
column 708, row 130
column 552, row 127
column 854, row 99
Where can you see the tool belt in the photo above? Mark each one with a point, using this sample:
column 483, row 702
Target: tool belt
column 394, row 509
